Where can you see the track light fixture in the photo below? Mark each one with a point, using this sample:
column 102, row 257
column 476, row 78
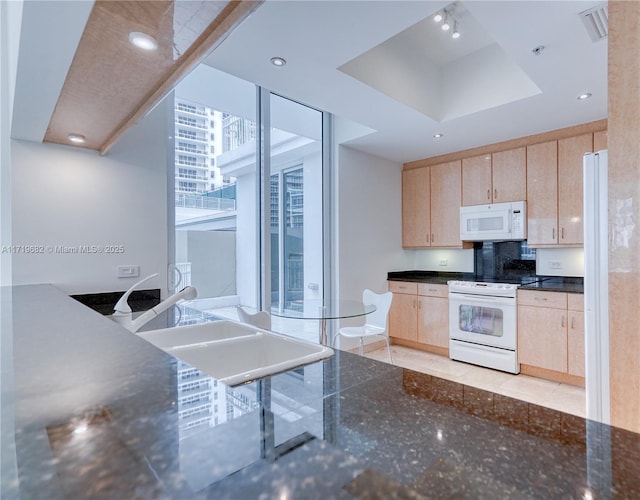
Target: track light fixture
column 448, row 21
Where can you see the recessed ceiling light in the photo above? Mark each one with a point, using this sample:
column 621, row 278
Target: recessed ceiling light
column 584, row 96
column 278, row 61
column 438, row 17
column 143, row 41
column 76, row 138
column 438, row 136
column 537, row 50
column 445, row 26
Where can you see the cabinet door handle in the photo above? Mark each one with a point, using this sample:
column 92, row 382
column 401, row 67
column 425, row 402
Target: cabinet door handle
column 432, row 238
column 495, row 194
column 427, row 237
column 562, row 233
column 488, row 194
column 553, row 233
column 562, row 322
column 414, row 303
column 540, row 298
column 573, row 323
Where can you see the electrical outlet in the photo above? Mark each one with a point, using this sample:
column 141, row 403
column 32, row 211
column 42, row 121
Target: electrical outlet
column 443, row 262
column 555, row 264
column 128, row 271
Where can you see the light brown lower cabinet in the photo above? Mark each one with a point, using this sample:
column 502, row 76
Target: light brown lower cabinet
column 551, row 335
column 420, row 315
column 575, row 334
column 404, row 310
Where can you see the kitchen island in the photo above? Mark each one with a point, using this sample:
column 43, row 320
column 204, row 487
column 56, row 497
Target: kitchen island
column 91, row 410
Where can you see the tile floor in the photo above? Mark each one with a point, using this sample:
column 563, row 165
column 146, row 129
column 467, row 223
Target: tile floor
column 563, row 397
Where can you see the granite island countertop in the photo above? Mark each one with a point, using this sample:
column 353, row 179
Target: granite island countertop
column 531, row 282
column 99, row 412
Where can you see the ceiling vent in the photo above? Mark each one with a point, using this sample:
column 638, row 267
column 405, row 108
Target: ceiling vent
column 596, row 21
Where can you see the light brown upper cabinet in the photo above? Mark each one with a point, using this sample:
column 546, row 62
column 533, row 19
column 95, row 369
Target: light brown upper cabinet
column 554, row 191
column 446, row 197
column 476, row 180
column 570, row 191
column 509, row 174
column 496, row 178
column 542, row 193
column 431, row 198
column 416, row 208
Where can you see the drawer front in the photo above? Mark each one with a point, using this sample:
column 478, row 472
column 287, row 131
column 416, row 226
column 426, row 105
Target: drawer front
column 555, row 300
column 575, row 301
column 403, row 287
column 433, row 290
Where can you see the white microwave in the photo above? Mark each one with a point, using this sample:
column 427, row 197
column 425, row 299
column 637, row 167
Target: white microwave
column 496, row 222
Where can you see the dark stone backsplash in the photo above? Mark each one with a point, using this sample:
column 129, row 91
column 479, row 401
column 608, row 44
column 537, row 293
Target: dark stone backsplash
column 502, row 260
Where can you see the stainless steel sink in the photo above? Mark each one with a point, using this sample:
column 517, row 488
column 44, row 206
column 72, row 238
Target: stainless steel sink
column 235, row 353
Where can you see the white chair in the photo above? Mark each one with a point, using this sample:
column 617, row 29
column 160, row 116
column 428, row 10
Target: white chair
column 375, row 322
column 261, row 319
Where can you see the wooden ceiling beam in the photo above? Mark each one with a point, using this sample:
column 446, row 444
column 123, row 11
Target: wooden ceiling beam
column 232, row 15
column 111, row 85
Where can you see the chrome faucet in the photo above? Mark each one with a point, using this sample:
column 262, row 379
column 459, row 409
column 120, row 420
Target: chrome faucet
column 122, row 313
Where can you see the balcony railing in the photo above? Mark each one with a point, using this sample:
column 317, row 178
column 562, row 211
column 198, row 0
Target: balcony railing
column 190, row 137
column 195, row 151
column 191, row 164
column 186, row 109
column 190, row 177
column 184, row 200
column 188, row 123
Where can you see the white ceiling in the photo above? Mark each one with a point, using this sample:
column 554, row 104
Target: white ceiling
column 317, row 38
column 383, row 43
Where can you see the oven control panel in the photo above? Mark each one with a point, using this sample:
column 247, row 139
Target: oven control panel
column 480, row 288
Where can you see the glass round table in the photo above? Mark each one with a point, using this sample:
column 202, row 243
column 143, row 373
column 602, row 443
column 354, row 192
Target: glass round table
column 316, row 309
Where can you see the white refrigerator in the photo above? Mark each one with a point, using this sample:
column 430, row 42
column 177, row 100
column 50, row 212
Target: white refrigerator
column 596, row 286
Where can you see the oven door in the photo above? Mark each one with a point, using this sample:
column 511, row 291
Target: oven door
column 483, row 320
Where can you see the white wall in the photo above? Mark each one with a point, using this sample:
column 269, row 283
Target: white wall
column 446, row 260
column 313, row 227
column 560, row 262
column 212, row 255
column 66, row 197
column 10, row 23
column 368, row 224
column 247, row 272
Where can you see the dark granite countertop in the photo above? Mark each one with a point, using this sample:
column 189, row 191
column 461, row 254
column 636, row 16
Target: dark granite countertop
column 533, row 282
column 569, row 285
column 95, row 411
column 428, row 277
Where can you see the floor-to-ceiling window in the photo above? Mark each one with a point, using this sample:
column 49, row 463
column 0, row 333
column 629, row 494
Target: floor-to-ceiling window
column 248, row 232
column 296, row 197
column 219, row 166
